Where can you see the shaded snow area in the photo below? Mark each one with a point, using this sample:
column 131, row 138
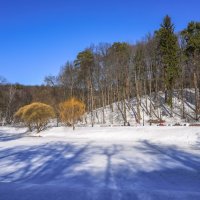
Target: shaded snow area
column 111, row 163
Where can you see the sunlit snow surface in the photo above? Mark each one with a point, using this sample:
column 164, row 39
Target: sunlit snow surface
column 139, row 163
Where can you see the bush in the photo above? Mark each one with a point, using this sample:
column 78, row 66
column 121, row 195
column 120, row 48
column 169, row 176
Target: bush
column 71, row 111
column 35, row 115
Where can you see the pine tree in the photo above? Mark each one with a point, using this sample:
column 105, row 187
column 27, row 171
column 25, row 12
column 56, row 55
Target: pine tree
column 85, row 63
column 191, row 37
column 168, row 50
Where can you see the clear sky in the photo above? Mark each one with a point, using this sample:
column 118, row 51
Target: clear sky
column 37, row 37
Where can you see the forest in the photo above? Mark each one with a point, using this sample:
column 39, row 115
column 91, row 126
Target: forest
column 165, row 62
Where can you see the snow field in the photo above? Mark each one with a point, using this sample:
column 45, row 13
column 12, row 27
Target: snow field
column 100, row 163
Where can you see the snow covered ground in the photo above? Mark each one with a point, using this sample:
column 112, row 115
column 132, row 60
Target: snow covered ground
column 100, row 163
column 159, row 109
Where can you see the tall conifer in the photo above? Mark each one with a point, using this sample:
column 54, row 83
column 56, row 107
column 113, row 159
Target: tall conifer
column 168, row 51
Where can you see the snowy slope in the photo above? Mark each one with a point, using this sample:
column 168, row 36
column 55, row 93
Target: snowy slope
column 100, row 163
column 158, row 107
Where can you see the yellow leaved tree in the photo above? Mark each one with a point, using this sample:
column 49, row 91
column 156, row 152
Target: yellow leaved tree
column 71, row 111
column 35, row 115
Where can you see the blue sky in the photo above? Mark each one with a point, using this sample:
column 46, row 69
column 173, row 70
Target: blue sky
column 37, row 37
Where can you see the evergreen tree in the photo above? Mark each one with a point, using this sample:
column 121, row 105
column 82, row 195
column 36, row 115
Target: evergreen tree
column 191, row 37
column 85, row 63
column 168, row 50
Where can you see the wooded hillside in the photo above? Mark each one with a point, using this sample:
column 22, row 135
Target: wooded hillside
column 164, row 61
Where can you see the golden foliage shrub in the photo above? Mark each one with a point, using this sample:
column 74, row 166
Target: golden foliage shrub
column 35, row 115
column 71, row 111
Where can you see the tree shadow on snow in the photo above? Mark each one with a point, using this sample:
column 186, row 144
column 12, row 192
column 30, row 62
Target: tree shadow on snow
column 59, row 170
column 7, row 136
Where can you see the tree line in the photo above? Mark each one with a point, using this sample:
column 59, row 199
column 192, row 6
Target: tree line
column 164, row 61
